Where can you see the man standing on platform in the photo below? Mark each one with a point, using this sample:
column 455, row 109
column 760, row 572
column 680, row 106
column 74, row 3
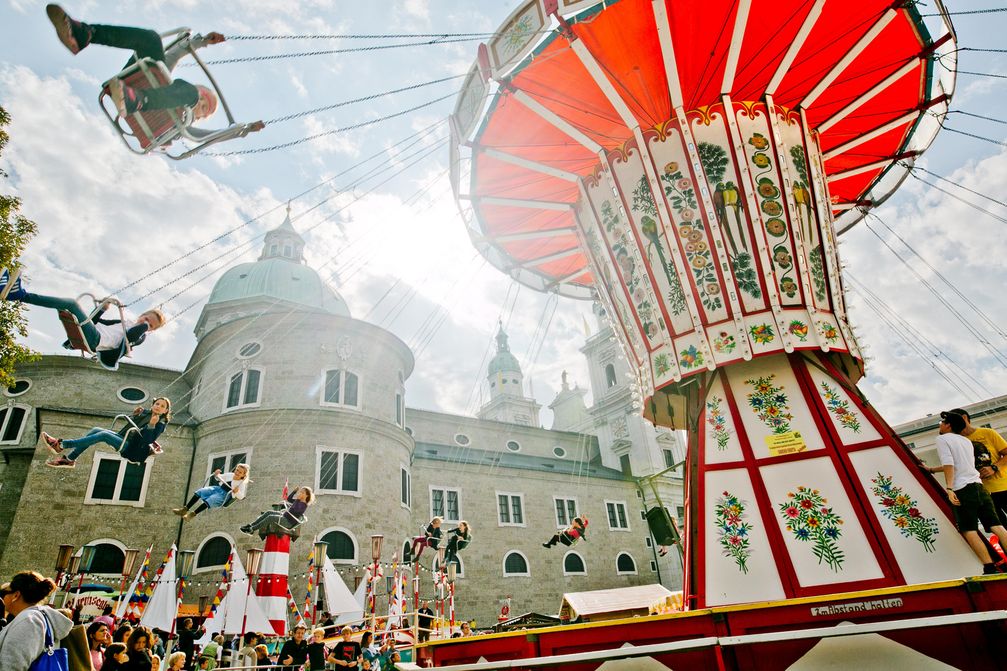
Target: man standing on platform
column 971, row 502
column 995, row 475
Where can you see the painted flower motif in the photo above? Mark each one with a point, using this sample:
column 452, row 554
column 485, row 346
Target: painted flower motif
column 732, row 529
column 767, row 189
column 763, row 334
column 661, row 365
column 839, row 407
column 829, row 332
column 683, row 184
column 760, row 160
column 685, row 231
column 724, row 342
column 788, row 286
column 782, row 257
column 712, row 289
column 715, row 420
column 772, row 208
column 639, row 294
column 809, row 520
column 759, row 141
column 699, row 262
column 695, row 236
column 903, row 512
column 670, row 167
column 799, row 330
column 776, row 227
column 686, row 214
column 770, row 404
column 691, row 357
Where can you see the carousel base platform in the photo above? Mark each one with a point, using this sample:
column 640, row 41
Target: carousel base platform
column 959, row 624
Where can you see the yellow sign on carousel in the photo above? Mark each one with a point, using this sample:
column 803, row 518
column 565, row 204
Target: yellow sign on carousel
column 790, row 442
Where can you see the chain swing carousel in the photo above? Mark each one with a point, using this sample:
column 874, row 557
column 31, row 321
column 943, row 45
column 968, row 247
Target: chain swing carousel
column 689, row 166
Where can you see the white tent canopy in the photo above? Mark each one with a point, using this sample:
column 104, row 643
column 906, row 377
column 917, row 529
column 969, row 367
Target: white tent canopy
column 339, row 601
column 230, row 616
column 163, row 603
column 599, row 603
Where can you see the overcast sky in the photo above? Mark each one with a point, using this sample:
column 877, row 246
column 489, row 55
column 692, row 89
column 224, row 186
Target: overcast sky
column 108, row 218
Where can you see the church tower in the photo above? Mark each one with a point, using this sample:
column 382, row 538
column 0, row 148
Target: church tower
column 506, row 381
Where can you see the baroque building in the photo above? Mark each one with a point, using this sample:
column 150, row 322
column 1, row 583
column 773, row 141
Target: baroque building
column 285, row 379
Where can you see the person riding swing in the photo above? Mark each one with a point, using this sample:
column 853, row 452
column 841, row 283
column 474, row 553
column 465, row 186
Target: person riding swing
column 220, row 491
column 136, row 441
column 570, row 535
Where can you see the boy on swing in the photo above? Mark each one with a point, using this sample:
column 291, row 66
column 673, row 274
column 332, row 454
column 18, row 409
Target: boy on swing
column 77, row 35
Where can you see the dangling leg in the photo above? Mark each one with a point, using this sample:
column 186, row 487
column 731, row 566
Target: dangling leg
column 552, row 541
column 181, row 512
column 75, row 35
column 77, row 446
column 200, row 507
column 259, row 521
column 91, row 334
column 419, row 542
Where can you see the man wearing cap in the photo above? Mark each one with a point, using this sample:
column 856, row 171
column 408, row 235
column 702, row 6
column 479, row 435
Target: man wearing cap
column 970, row 500
column 294, row 652
column 995, row 474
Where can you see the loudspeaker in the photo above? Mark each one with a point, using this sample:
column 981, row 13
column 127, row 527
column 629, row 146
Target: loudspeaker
column 661, row 526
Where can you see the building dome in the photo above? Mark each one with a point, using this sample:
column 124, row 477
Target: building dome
column 277, row 279
column 503, row 361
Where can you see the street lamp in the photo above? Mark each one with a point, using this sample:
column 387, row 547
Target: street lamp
column 128, row 562
column 376, row 540
column 62, row 560
column 253, row 558
column 86, row 559
column 320, row 552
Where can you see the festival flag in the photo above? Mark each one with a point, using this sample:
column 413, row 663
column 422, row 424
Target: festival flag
column 292, row 605
column 311, row 582
column 397, row 603
column 126, row 606
column 285, row 492
column 163, row 591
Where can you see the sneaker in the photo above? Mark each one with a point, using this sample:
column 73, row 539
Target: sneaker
column 546, row 545
column 180, row 511
column 73, row 34
column 189, row 514
column 990, row 569
column 54, row 444
column 13, row 292
column 247, row 530
column 61, row 462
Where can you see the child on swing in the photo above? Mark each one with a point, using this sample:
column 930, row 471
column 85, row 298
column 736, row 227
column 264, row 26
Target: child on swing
column 137, row 447
column 458, row 539
column 105, row 336
column 282, row 521
column 570, row 535
column 220, row 490
column 431, row 538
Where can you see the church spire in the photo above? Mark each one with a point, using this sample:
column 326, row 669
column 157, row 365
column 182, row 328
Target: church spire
column 283, row 242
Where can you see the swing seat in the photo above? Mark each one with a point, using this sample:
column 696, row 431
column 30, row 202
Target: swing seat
column 75, row 340
column 155, row 130
column 75, row 335
column 11, row 281
column 133, row 428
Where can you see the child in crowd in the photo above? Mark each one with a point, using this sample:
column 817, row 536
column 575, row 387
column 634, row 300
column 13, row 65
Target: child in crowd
column 220, row 490
column 431, row 538
column 285, row 521
column 347, row 653
column 176, row 661
column 317, row 650
column 136, row 445
column 458, row 540
column 570, row 535
column 116, row 657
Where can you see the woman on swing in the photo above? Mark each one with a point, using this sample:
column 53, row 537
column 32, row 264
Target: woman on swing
column 570, row 535
column 220, row 490
column 105, row 336
column 137, row 447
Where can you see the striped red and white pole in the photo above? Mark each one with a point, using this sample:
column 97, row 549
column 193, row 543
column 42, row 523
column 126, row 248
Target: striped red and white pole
column 272, row 585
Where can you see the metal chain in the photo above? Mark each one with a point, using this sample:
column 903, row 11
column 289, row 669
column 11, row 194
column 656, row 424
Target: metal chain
column 993, row 10
column 326, row 108
column 356, row 36
column 329, row 52
column 334, row 131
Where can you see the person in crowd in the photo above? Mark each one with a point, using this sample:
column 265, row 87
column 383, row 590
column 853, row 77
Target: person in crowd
column 431, row 538
column 138, row 649
column 211, row 652
column 285, row 521
column 155, row 663
column 458, row 539
column 369, row 650
column 570, row 535
column 122, row 633
column 347, row 653
column 176, row 661
column 136, row 445
column 116, row 658
column 23, row 639
column 970, row 500
column 106, row 617
column 157, row 642
column 187, row 635
column 317, row 650
column 221, row 489
column 466, row 629
column 77, row 649
column 107, row 337
column 425, row 623
column 295, row 650
column 262, row 656
column 98, row 638
column 246, row 655
column 327, row 620
column 992, row 452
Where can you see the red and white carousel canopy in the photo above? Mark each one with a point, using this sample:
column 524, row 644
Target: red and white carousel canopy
column 564, row 80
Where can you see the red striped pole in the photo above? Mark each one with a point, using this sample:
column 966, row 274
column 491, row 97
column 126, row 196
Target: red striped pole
column 272, row 585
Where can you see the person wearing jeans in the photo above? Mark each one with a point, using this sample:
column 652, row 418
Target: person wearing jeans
column 135, row 446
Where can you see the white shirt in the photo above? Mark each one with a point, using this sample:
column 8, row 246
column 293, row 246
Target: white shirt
column 955, row 450
column 239, row 493
column 112, row 334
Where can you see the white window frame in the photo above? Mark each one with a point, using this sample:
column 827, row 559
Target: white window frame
column 102, row 541
column 582, row 561
column 503, row 565
column 118, row 395
column 463, row 443
column 408, row 504
column 507, row 444
column 625, row 510
column 214, row 567
column 576, row 505
column 343, row 451
column 458, row 491
column 95, row 463
column 562, row 451
column 8, row 394
column 400, row 407
column 244, row 389
column 353, row 539
column 342, row 389
column 510, row 509
column 636, row 566
column 653, row 566
column 227, row 454
column 6, row 420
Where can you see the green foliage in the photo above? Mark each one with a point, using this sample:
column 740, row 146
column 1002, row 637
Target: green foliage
column 643, row 198
column 714, row 160
column 15, row 232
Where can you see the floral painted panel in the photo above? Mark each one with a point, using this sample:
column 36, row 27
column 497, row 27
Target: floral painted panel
column 720, row 438
column 849, row 421
column 904, row 512
column 733, row 529
column 811, row 521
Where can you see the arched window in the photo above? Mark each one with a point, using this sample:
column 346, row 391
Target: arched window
column 341, row 388
column 342, row 546
column 108, row 558
column 12, row 423
column 610, row 379
column 624, row 564
column 213, row 553
column 573, row 564
column 515, row 564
